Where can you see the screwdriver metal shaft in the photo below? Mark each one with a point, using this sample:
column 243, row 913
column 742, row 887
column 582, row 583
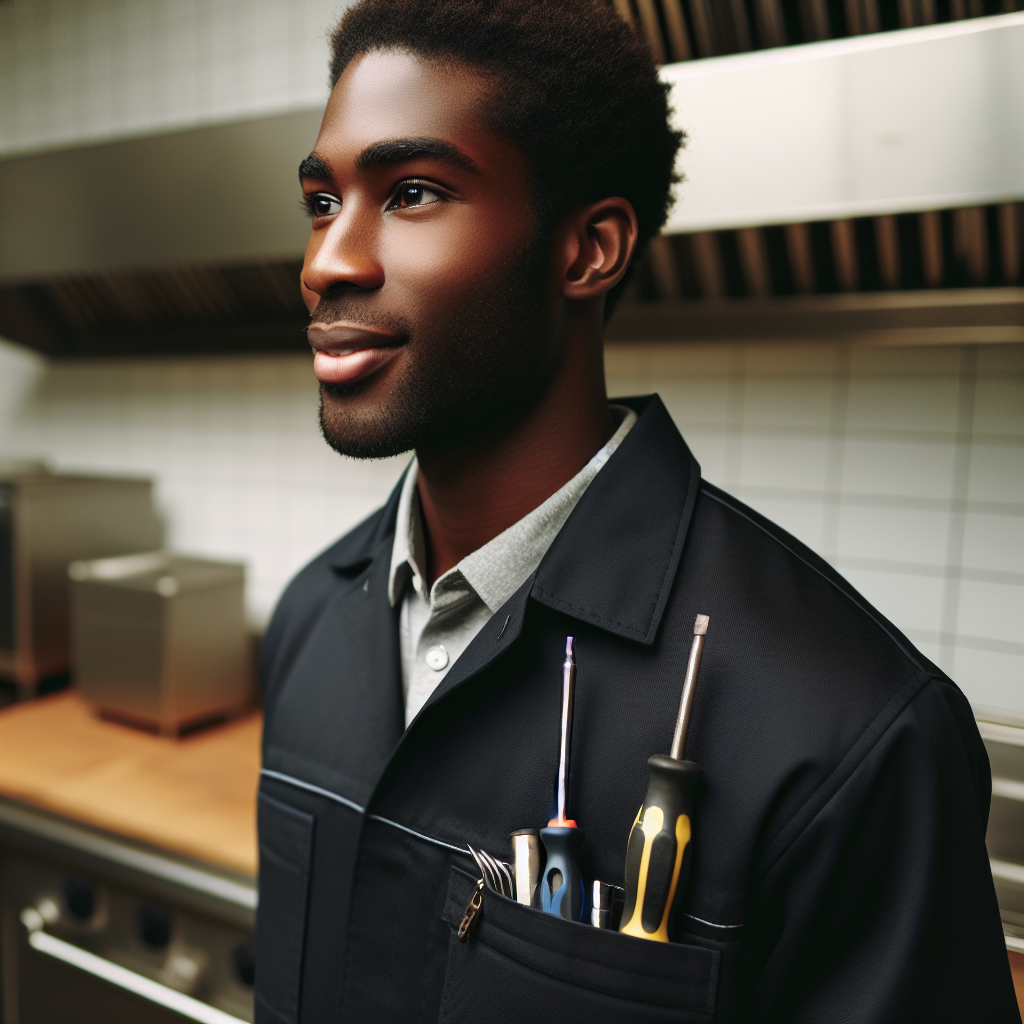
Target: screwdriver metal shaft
column 700, row 629
column 565, row 754
column 561, row 886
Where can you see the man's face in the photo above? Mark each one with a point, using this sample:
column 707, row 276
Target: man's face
column 423, row 274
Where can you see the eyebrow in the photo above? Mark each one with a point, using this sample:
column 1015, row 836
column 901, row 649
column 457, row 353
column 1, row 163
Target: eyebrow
column 314, row 168
column 395, row 151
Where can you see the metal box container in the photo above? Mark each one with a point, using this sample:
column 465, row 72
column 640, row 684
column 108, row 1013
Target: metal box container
column 159, row 640
column 46, row 521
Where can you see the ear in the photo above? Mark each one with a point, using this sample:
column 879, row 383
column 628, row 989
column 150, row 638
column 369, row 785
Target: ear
column 596, row 242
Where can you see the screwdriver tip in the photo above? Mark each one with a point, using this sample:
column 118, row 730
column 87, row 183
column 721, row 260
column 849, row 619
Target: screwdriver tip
column 700, row 627
column 570, row 646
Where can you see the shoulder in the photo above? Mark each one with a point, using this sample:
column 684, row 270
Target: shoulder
column 798, row 592
column 806, row 676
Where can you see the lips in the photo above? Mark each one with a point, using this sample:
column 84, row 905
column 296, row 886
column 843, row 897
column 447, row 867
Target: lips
column 346, row 352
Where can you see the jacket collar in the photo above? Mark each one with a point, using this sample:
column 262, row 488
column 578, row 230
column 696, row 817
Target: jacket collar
column 613, row 562
column 615, row 559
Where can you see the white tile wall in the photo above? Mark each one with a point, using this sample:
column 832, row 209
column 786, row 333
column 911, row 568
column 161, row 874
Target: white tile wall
column 923, row 513
column 233, row 445
column 74, row 71
column 903, row 467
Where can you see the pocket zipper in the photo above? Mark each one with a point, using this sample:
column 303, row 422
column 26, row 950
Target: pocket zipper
column 476, row 901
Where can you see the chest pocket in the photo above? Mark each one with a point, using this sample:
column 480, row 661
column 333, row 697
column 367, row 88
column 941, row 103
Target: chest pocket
column 518, row 964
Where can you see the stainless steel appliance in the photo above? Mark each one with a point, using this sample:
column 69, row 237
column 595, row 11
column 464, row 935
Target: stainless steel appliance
column 46, row 521
column 97, row 930
column 159, row 640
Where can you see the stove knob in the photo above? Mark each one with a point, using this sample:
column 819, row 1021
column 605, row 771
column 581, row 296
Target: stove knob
column 244, row 963
column 154, row 926
column 80, row 898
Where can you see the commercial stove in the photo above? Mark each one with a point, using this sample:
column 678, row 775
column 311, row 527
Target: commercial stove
column 98, row 929
column 127, row 869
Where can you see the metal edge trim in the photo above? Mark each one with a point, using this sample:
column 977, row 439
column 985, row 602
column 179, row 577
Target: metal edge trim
column 129, row 980
column 996, row 732
column 1008, row 789
column 238, row 893
column 831, row 48
column 1007, row 871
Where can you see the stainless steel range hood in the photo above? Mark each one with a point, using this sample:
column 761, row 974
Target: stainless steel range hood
column 192, row 241
column 187, row 241
column 223, row 194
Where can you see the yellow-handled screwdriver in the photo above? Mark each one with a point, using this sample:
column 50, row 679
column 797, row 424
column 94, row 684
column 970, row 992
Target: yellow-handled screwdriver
column 658, row 853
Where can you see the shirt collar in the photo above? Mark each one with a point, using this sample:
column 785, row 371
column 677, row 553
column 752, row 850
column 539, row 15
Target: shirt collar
column 499, row 568
column 408, row 552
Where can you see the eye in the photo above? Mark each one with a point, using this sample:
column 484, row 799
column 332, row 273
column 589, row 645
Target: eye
column 322, row 204
column 413, row 194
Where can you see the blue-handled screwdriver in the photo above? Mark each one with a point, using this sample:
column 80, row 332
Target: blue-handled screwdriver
column 561, row 885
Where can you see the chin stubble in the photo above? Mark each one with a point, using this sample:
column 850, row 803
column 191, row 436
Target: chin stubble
column 485, row 366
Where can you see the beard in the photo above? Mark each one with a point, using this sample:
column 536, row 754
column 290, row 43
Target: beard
column 468, row 374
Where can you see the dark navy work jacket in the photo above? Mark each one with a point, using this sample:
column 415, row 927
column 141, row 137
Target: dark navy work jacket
column 839, row 869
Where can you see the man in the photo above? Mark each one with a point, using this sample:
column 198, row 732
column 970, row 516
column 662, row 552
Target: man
column 485, row 174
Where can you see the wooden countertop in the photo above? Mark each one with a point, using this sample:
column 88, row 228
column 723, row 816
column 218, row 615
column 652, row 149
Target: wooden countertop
column 194, row 796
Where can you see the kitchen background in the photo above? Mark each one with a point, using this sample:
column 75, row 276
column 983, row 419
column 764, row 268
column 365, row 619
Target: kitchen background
column 855, row 373
column 903, row 466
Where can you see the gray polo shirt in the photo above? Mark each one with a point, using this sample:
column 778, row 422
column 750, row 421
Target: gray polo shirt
column 436, row 627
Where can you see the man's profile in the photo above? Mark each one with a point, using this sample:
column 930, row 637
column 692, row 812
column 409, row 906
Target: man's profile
column 485, row 176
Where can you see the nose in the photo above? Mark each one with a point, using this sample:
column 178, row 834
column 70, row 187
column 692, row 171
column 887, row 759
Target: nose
column 342, row 255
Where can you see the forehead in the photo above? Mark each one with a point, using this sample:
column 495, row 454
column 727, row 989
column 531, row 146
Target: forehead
column 396, row 94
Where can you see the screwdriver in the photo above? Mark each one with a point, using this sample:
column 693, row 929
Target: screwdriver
column 561, row 885
column 659, row 850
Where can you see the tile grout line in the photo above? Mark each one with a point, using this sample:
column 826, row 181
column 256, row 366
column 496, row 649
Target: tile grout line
column 837, row 429
column 932, row 570
column 736, row 393
column 965, row 640
column 957, row 499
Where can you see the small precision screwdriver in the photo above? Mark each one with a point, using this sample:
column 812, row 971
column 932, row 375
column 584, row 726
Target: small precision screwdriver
column 659, row 850
column 561, row 885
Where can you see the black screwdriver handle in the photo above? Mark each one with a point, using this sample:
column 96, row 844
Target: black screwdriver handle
column 659, row 851
column 561, row 884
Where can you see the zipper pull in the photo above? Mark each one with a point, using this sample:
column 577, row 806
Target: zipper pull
column 472, row 909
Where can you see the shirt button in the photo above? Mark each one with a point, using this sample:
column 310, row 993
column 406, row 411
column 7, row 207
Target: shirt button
column 437, row 658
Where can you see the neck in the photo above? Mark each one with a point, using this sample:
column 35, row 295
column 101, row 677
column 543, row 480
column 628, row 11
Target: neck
column 474, row 491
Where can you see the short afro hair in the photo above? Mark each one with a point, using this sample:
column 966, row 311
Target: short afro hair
column 574, row 87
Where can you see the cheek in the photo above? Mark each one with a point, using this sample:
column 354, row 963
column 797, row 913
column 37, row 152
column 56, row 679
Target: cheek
column 434, row 264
